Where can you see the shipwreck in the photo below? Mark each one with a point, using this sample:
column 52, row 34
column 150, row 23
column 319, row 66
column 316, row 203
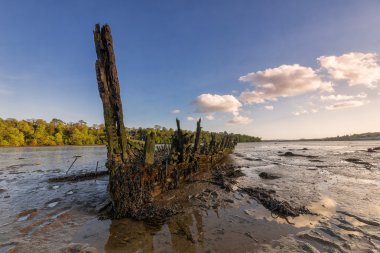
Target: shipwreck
column 139, row 172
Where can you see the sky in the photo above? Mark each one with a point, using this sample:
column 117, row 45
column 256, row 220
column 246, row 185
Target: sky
column 274, row 69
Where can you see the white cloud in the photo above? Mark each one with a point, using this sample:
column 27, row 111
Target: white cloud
column 239, row 120
column 175, row 111
column 208, row 103
column 336, row 97
column 345, row 104
column 269, row 107
column 189, row 118
column 314, row 110
column 210, row 117
column 355, row 67
column 298, row 113
column 342, row 97
column 283, row 81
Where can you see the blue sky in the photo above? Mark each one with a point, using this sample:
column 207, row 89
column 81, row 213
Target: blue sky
column 196, row 57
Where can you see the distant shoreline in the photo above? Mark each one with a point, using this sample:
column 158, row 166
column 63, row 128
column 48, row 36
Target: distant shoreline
column 103, row 145
column 324, row 140
column 49, row 146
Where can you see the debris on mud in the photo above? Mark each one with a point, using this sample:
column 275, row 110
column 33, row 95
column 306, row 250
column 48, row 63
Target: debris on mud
column 253, row 159
column 275, row 206
column 302, row 149
column 373, row 150
column 316, row 161
column 290, row 154
column 209, row 199
column 266, row 175
column 224, row 175
column 26, row 215
column 78, row 177
column 367, row 165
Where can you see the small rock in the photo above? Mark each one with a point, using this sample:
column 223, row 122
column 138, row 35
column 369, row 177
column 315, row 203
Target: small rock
column 228, row 200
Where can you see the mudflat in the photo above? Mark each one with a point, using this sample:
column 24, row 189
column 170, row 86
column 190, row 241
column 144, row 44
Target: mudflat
column 333, row 180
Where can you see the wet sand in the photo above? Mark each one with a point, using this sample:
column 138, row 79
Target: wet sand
column 38, row 216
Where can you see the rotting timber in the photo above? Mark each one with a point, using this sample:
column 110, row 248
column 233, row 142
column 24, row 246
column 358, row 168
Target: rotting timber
column 137, row 174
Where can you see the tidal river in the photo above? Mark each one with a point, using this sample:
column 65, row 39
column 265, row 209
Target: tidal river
column 338, row 181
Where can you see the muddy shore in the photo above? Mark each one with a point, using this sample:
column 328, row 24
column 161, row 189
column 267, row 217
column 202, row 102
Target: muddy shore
column 40, row 216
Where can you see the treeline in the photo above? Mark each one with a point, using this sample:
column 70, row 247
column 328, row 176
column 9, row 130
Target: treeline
column 38, row 132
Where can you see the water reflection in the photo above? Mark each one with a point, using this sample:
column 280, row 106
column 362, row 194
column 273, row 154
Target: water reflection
column 181, row 234
column 195, row 230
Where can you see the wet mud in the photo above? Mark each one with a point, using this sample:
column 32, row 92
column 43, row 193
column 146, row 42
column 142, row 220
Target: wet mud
column 332, row 206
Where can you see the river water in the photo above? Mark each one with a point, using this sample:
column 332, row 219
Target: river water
column 340, row 181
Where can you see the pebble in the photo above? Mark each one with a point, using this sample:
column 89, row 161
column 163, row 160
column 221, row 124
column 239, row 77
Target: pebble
column 53, row 204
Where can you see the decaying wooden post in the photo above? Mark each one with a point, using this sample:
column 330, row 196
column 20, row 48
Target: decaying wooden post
column 124, row 183
column 197, row 137
column 149, row 148
column 109, row 89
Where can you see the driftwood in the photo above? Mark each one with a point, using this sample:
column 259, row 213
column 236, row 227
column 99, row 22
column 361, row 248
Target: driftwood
column 78, row 177
column 275, row 206
column 137, row 175
column 75, row 159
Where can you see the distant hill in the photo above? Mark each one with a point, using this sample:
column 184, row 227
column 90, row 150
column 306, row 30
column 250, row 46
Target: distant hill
column 352, row 137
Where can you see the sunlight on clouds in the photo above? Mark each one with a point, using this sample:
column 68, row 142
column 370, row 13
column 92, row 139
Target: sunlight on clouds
column 283, row 81
column 294, row 80
column 208, row 103
column 239, row 120
column 189, row 118
column 355, row 67
column 345, row 104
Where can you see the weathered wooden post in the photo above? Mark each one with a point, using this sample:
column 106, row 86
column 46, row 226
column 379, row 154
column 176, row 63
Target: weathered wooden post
column 124, row 185
column 180, row 147
column 149, row 148
column 109, row 90
column 197, row 137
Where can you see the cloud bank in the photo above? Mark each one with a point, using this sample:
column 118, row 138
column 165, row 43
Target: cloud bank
column 283, row 81
column 355, row 67
column 340, row 97
column 239, row 120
